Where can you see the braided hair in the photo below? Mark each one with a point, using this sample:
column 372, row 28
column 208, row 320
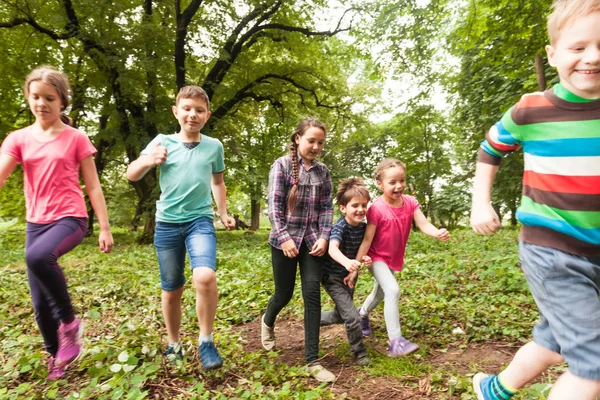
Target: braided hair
column 300, row 130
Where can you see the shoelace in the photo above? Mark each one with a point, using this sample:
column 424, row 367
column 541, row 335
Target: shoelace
column 65, row 339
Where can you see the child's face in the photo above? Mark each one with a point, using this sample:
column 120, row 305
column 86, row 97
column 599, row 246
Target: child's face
column 310, row 144
column 576, row 56
column 355, row 210
column 393, row 183
column 192, row 114
column 44, row 102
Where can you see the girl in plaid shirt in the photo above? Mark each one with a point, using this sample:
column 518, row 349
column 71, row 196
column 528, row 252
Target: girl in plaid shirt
column 301, row 213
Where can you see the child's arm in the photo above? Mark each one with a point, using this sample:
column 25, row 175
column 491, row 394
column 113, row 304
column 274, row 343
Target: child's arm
column 325, row 218
column 94, row 191
column 338, row 256
column 140, row 167
column 350, row 278
column 220, row 192
column 484, row 219
column 366, row 243
column 7, row 166
column 427, row 228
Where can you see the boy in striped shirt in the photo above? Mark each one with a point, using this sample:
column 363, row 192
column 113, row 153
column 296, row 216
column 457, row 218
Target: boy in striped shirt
column 559, row 131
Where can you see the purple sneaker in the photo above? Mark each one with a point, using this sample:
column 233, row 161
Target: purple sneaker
column 54, row 371
column 69, row 343
column 400, row 347
column 365, row 325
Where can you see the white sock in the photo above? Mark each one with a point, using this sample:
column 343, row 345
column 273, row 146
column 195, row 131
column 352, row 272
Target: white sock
column 175, row 345
column 362, row 313
column 205, row 338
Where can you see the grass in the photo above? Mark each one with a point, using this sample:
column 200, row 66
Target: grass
column 471, row 282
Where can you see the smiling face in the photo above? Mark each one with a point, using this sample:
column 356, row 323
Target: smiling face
column 192, row 114
column 44, row 102
column 356, row 210
column 310, row 144
column 576, row 56
column 392, row 182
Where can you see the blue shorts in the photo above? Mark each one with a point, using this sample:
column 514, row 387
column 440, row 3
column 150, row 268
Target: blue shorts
column 171, row 241
column 565, row 289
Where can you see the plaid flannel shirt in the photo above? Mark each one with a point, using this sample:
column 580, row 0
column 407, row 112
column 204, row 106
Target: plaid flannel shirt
column 313, row 213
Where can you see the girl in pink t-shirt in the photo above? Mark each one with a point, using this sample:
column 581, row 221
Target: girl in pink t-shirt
column 389, row 221
column 52, row 154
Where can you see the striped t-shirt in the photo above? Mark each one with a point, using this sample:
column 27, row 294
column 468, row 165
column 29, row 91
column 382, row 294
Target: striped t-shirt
column 349, row 237
column 560, row 136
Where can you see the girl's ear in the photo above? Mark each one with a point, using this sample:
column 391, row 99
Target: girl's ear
column 297, row 139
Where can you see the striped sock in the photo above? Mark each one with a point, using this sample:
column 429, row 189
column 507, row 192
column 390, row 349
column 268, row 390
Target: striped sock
column 493, row 388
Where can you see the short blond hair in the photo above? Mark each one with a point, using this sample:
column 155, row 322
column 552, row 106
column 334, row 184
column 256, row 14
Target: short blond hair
column 565, row 11
column 193, row 92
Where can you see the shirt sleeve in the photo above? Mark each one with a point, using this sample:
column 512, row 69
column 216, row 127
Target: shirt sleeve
column 337, row 233
column 276, row 200
column 12, row 146
column 150, row 145
column 85, row 147
column 501, row 139
column 326, row 209
column 373, row 215
column 414, row 203
column 218, row 164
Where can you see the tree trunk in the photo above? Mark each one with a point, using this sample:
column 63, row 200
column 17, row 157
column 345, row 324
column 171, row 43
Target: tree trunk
column 255, row 203
column 539, row 72
column 513, row 216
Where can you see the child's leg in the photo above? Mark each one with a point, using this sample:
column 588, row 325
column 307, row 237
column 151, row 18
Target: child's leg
column 387, row 282
column 201, row 244
column 170, row 250
column 342, row 295
column 43, row 315
column 330, row 317
column 284, row 276
column 310, row 275
column 568, row 384
column 373, row 299
column 44, row 245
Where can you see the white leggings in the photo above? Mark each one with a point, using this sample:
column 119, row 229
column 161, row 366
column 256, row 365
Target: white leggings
column 385, row 288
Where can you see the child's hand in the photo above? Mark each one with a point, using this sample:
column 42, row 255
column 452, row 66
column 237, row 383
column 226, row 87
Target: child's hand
column 349, row 280
column 319, row 248
column 352, row 265
column 484, row 219
column 289, row 249
column 443, row 235
column 228, row 222
column 367, row 261
column 105, row 241
column 159, row 154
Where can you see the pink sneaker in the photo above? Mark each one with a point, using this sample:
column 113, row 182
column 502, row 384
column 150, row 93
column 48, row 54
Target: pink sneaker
column 54, row 371
column 69, row 342
column 400, row 347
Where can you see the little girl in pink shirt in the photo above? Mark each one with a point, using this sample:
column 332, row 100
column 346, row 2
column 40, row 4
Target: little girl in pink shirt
column 389, row 221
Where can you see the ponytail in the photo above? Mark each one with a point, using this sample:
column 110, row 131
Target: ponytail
column 293, row 197
column 66, row 119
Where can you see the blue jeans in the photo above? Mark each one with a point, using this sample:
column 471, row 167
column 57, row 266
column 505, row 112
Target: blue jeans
column 171, row 241
column 565, row 288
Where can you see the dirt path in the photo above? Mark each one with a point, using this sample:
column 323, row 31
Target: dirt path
column 355, row 382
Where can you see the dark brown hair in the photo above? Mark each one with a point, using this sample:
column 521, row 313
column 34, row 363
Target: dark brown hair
column 193, row 92
column 56, row 79
column 386, row 164
column 300, row 130
column 349, row 188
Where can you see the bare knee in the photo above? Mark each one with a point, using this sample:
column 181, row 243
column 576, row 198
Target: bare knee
column 204, row 279
column 172, row 297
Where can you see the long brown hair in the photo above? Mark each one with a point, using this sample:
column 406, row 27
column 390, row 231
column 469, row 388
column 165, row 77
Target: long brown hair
column 55, row 78
column 300, row 130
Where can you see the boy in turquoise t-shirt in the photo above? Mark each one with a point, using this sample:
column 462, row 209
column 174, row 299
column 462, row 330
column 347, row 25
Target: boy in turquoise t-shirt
column 190, row 165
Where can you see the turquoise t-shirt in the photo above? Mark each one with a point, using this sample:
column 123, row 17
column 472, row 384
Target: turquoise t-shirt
column 185, row 178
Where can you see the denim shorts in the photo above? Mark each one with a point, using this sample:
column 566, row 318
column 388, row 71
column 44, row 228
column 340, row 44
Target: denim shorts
column 565, row 289
column 171, row 241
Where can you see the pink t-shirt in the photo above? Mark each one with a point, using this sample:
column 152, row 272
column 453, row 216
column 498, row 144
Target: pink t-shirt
column 393, row 228
column 51, row 171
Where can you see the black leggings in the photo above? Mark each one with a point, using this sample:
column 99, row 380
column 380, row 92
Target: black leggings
column 284, row 274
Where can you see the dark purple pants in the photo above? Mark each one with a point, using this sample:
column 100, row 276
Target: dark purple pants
column 44, row 244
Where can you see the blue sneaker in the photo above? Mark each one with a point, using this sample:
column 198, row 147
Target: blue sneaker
column 209, row 356
column 174, row 353
column 481, row 383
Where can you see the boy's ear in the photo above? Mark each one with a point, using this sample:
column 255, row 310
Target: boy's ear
column 550, row 52
column 343, row 209
column 174, row 108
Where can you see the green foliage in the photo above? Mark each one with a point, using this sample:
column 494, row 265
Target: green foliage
column 471, row 282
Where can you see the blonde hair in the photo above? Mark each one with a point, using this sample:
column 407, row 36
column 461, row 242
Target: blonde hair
column 193, row 92
column 300, row 131
column 349, row 188
column 565, row 11
column 56, row 79
column 387, row 164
